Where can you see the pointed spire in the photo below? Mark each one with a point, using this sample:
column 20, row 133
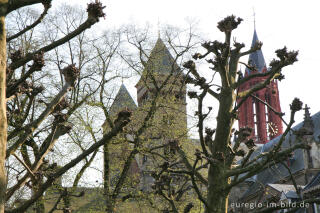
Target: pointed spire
column 307, row 121
column 254, row 19
column 160, row 59
column 158, row 28
column 256, row 58
column 306, row 112
column 122, row 100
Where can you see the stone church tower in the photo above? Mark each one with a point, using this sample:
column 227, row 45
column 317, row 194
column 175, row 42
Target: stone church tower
column 253, row 113
column 161, row 68
column 162, row 77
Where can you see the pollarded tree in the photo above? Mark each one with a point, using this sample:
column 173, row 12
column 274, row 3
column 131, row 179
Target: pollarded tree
column 216, row 147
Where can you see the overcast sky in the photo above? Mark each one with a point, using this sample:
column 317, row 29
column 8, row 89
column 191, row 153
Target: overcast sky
column 293, row 23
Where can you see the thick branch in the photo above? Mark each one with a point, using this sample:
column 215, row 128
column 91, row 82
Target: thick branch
column 38, row 21
column 30, row 128
column 16, row 4
column 200, row 123
column 263, row 164
column 272, row 154
column 87, row 24
column 25, row 166
column 106, row 138
column 253, row 49
column 49, row 140
column 286, row 58
column 252, row 76
column 245, row 94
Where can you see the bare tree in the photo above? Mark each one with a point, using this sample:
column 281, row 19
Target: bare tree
column 32, row 131
column 216, row 148
column 33, row 119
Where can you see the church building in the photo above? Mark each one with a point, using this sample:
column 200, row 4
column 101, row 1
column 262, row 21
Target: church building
column 255, row 113
column 276, row 184
column 163, row 78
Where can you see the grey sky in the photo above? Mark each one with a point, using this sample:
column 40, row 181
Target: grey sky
column 293, row 23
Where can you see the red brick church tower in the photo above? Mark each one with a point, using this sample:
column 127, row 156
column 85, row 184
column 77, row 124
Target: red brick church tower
column 255, row 114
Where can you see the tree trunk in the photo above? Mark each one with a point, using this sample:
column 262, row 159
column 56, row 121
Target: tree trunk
column 39, row 204
column 217, row 195
column 3, row 114
column 110, row 205
column 66, row 202
column 106, row 179
column 217, row 198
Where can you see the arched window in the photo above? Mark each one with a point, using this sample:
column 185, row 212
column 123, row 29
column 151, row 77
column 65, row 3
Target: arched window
column 255, row 118
column 267, row 121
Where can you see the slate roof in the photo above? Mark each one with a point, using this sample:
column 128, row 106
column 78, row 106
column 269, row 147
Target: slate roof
column 256, row 58
column 315, row 182
column 289, row 191
column 122, row 100
column 283, row 187
column 292, row 195
column 275, row 173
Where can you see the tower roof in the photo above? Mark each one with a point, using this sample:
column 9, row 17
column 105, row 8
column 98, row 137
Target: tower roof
column 122, row 100
column 160, row 61
column 256, row 58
